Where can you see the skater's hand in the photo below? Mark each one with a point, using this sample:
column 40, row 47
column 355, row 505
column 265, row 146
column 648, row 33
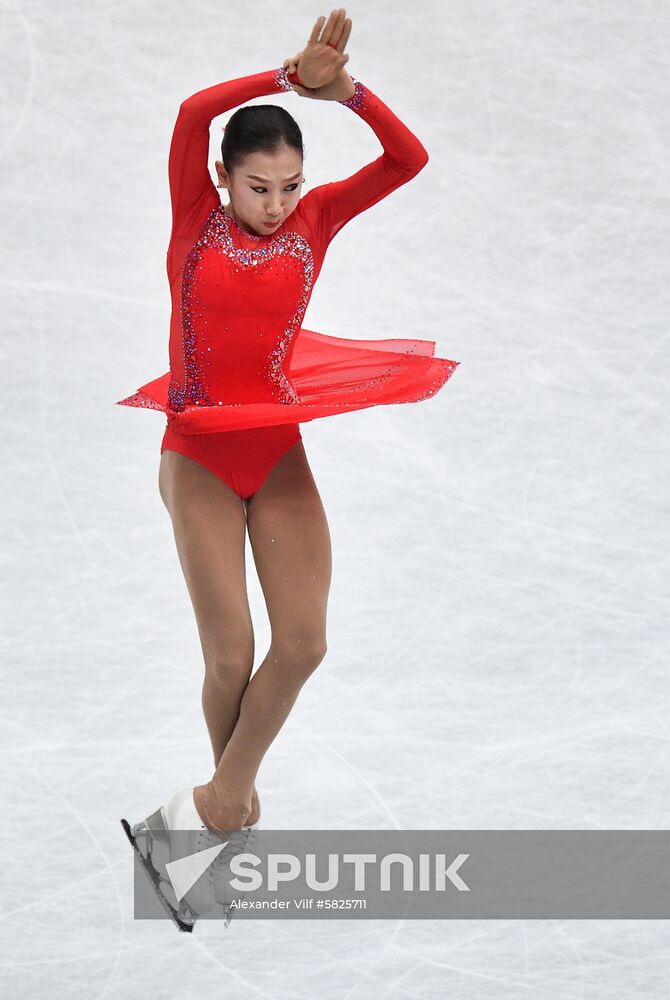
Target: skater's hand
column 320, row 62
column 341, row 89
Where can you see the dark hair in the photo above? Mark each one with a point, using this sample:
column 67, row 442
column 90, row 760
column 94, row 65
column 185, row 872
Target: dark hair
column 260, row 128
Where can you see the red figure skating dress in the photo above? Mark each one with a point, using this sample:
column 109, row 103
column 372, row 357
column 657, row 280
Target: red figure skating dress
column 243, row 372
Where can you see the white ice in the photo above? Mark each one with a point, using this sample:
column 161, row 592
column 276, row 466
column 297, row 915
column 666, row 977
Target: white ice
column 498, row 620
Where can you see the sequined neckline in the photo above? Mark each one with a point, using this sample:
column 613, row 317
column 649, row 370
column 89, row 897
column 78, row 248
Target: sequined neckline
column 243, row 232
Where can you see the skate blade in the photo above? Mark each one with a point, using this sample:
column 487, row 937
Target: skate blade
column 132, row 834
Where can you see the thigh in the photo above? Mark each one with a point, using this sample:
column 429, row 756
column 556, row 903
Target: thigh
column 291, row 545
column 209, row 525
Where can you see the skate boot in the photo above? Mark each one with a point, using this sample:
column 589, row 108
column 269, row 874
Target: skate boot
column 182, row 881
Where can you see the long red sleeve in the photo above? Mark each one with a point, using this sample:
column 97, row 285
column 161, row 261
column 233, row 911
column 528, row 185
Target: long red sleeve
column 403, row 157
column 192, row 191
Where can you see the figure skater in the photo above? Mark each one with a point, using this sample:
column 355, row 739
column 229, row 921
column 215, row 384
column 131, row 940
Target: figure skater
column 243, row 375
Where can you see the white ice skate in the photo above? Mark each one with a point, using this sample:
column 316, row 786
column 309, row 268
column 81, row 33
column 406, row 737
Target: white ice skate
column 179, row 864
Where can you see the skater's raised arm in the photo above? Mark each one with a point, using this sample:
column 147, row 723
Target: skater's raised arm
column 192, row 191
column 403, row 157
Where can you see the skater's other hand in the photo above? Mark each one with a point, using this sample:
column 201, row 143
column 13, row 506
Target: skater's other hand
column 341, row 89
column 319, row 63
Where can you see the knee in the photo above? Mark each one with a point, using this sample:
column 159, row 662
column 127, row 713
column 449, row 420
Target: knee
column 301, row 652
column 228, row 669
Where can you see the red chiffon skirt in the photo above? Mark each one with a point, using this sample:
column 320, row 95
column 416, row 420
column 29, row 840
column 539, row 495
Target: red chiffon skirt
column 330, row 375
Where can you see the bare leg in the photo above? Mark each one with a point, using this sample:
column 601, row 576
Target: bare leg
column 290, row 542
column 209, row 525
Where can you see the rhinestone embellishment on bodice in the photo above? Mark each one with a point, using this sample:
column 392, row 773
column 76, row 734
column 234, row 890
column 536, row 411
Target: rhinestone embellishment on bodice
column 267, row 272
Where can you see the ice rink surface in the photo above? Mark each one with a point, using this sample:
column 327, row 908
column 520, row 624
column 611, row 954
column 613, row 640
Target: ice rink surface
column 498, row 620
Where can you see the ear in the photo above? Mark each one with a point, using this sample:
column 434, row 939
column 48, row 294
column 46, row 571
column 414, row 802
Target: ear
column 221, row 173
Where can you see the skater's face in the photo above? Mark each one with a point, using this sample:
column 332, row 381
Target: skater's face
column 264, row 188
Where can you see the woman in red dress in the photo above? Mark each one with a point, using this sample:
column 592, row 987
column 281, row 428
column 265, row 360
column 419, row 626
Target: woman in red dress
column 243, row 375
